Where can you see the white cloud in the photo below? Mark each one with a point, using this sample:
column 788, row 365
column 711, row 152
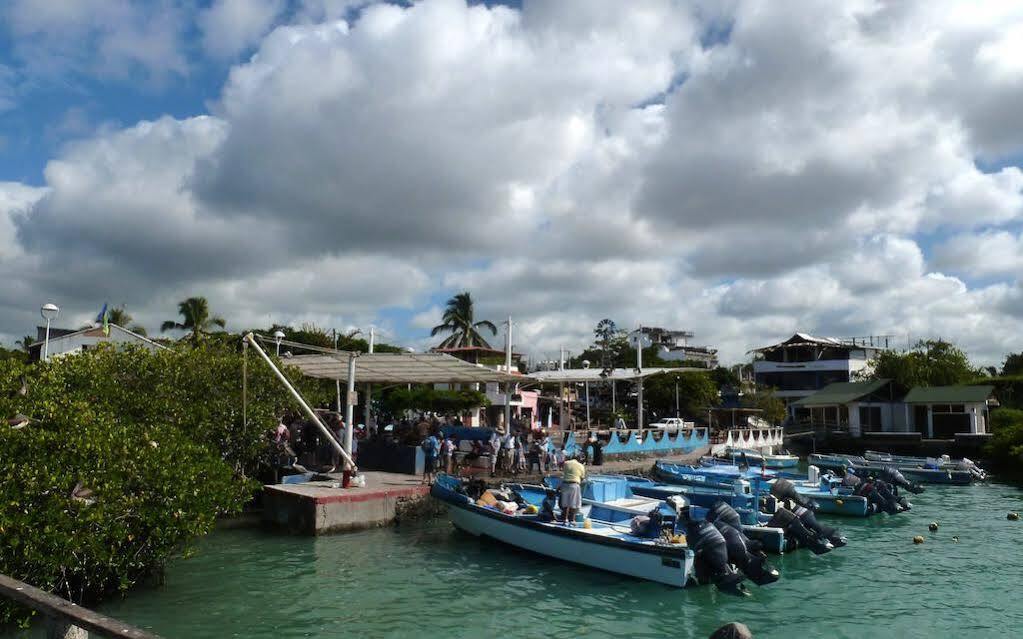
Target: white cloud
column 107, row 38
column 565, row 162
column 230, row 27
column 990, row 253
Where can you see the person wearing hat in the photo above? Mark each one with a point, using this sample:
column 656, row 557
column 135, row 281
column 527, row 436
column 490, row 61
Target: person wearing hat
column 572, row 475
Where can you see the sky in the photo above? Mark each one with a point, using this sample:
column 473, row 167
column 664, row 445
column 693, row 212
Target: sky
column 740, row 169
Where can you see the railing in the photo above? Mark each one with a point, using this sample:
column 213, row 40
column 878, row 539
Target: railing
column 765, row 438
column 631, row 442
column 65, row 620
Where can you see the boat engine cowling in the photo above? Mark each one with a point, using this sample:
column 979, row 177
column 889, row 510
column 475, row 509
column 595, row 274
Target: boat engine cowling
column 785, row 490
column 724, row 513
column 795, row 530
column 810, row 521
column 752, row 563
column 893, row 476
column 711, row 561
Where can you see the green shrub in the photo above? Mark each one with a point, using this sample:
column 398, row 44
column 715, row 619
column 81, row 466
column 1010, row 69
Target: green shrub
column 1006, row 445
column 159, row 440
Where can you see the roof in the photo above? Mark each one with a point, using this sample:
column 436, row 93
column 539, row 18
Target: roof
column 842, row 393
column 805, row 339
column 473, row 349
column 949, row 394
column 91, row 329
column 399, row 368
column 570, row 375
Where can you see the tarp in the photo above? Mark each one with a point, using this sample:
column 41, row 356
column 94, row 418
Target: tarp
column 399, row 368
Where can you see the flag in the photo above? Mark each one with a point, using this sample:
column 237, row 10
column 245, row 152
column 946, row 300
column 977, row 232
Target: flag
column 104, row 319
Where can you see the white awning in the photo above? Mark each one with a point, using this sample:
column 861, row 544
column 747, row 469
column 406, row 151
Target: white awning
column 570, row 375
column 399, row 368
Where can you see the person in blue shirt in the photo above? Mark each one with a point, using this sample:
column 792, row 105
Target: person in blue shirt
column 431, row 448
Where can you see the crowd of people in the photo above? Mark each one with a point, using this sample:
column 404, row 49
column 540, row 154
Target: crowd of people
column 490, row 450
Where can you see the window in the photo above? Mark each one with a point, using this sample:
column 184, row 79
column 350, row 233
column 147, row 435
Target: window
column 870, row 416
column 948, row 408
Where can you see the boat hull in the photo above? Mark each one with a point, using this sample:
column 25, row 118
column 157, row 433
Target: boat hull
column 920, row 475
column 672, row 566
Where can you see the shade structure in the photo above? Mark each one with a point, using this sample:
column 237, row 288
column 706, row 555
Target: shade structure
column 399, row 368
column 570, row 375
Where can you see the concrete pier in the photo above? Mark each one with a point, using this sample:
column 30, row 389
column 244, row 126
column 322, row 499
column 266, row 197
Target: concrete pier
column 317, row 507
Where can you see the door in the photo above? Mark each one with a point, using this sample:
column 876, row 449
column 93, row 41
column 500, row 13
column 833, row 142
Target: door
column 920, row 419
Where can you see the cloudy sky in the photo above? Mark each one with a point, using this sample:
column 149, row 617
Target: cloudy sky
column 742, row 169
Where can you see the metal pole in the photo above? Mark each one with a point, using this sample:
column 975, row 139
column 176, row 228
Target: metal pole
column 508, row 385
column 639, row 392
column 46, row 342
column 350, row 408
column 369, row 387
column 301, row 402
column 677, row 412
column 587, row 404
column 614, row 400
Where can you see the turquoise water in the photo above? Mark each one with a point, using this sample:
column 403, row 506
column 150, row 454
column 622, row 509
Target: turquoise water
column 428, row 580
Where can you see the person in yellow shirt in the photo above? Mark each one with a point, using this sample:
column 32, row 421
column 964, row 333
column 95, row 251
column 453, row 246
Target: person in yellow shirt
column 571, row 498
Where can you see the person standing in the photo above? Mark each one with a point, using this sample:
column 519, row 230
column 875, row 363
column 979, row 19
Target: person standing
column 447, row 453
column 431, row 448
column 495, row 451
column 572, row 476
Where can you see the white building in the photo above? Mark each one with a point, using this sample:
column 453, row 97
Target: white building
column 804, row 364
column 674, row 346
column 66, row 341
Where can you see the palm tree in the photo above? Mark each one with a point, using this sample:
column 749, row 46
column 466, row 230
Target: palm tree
column 459, row 321
column 198, row 320
column 123, row 318
column 26, row 341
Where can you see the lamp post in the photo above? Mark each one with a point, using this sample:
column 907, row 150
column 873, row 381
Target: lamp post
column 278, row 336
column 49, row 311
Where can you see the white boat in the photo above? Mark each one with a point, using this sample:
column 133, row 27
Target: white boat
column 602, row 546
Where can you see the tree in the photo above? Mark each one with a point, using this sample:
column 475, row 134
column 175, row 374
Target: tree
column 1013, row 364
column 123, row 319
column 696, row 391
column 763, row 397
column 196, row 313
column 929, row 363
column 26, row 342
column 459, row 320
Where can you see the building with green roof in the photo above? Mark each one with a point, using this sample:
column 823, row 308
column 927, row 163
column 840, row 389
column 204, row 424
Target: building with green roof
column 936, row 412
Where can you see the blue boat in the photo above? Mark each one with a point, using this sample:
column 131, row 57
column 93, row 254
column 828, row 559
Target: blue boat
column 863, row 467
column 754, row 458
column 602, row 546
column 827, row 492
column 717, row 530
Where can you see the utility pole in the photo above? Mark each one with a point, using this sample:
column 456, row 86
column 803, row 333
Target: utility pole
column 639, row 387
column 338, row 380
column 508, row 384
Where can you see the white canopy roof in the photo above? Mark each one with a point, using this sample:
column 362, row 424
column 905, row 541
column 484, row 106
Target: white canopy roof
column 399, row 368
column 570, row 375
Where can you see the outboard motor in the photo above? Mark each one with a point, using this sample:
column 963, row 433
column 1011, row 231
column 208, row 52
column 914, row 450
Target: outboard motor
column 878, row 496
column 810, row 521
column 711, row 563
column 722, row 512
column 795, row 530
column 893, row 476
column 753, row 564
column 785, row 490
column 887, row 492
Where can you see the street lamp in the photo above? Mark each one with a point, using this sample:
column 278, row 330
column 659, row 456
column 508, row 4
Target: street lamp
column 49, row 311
column 278, row 336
